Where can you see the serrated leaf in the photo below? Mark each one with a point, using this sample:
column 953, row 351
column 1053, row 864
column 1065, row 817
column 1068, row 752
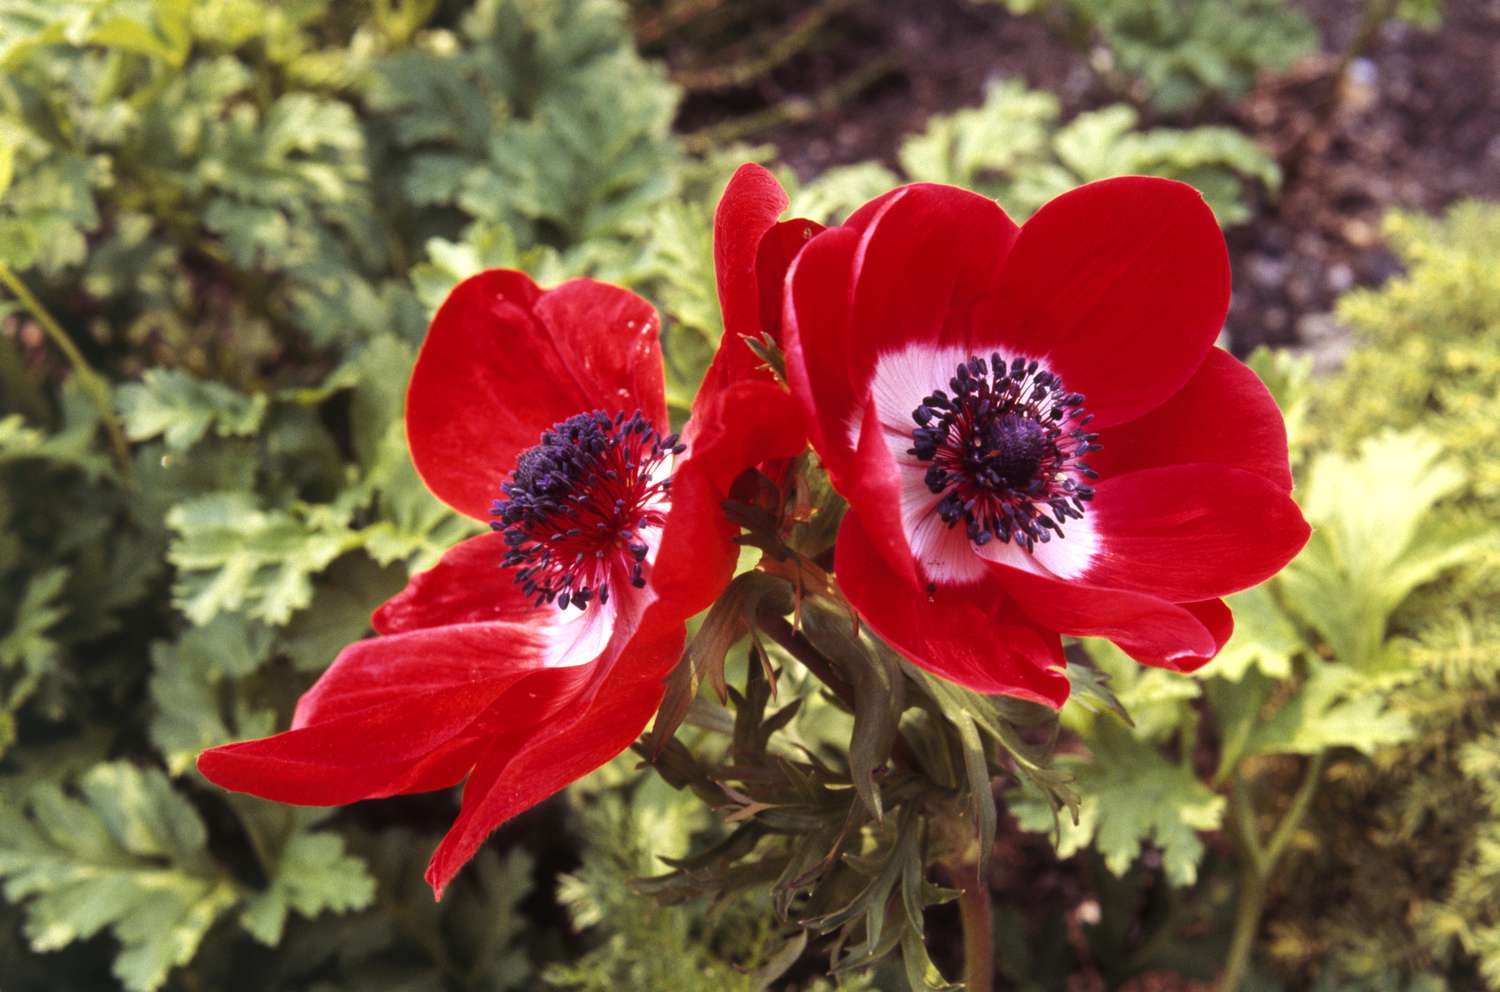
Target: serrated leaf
column 1377, row 537
column 187, row 684
column 1014, row 148
column 128, row 855
column 1156, row 698
column 339, row 614
column 312, row 875
column 1263, row 639
column 234, row 556
column 1335, row 707
column 28, row 643
column 181, row 409
column 73, row 446
column 1132, row 796
column 836, row 193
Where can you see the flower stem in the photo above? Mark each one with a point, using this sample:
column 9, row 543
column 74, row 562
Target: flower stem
column 1252, row 898
column 1260, row 863
column 93, row 383
column 978, row 927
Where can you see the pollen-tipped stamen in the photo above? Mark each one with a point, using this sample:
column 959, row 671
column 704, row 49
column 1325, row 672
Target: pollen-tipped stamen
column 1006, row 445
column 575, row 508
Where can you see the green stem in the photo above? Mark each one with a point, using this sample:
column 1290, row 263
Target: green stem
column 1298, row 810
column 1372, row 19
column 1260, row 867
column 92, row 382
column 1246, row 927
column 979, row 933
column 1244, row 816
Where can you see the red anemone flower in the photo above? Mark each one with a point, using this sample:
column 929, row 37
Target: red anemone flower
column 752, row 251
column 1034, row 431
column 534, row 653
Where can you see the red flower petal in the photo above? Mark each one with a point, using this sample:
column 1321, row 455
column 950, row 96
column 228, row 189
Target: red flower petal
column 751, row 203
column 925, row 256
column 924, row 260
column 386, row 707
column 778, row 249
column 1192, row 532
column 514, row 777
column 1143, row 626
column 966, row 634
column 1122, row 285
column 504, row 360
column 751, row 255
column 732, row 429
column 872, row 484
column 469, row 586
column 1223, row 416
column 816, row 337
column 1216, row 619
column 466, row 586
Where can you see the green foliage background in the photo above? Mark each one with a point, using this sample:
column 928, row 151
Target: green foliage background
column 241, row 215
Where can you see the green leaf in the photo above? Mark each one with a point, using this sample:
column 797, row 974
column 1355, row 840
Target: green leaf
column 1131, row 796
column 181, row 408
column 879, row 697
column 980, row 793
column 1377, row 536
column 836, row 193
column 154, row 28
column 73, row 445
column 233, row 556
column 1263, row 639
column 49, row 207
column 312, row 875
column 1155, row 698
column 1335, row 707
column 27, row 643
column 128, row 854
column 339, row 614
column 187, row 689
column 1014, row 148
column 728, row 620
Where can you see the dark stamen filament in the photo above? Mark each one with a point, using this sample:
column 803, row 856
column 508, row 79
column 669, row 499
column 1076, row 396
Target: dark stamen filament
column 575, row 507
column 1006, row 448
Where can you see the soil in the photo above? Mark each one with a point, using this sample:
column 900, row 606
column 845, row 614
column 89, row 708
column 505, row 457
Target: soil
column 1414, row 123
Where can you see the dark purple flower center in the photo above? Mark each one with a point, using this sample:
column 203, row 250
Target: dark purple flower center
column 577, row 505
column 1005, row 450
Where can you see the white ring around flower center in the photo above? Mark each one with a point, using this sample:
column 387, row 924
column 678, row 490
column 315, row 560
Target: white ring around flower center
column 947, row 556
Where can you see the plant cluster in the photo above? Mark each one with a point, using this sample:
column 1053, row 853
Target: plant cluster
column 1417, row 886
column 223, row 229
column 1180, row 55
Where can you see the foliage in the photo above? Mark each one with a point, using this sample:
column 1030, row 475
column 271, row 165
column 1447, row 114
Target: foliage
column 228, row 206
column 1374, row 656
column 1419, row 898
column 242, row 214
column 1314, row 668
column 1013, row 147
column 1180, row 55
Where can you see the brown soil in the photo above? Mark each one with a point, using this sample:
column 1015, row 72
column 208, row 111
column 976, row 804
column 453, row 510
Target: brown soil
column 1416, row 123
